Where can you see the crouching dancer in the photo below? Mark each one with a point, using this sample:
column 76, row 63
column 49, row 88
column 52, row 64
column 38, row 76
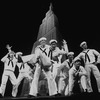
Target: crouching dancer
column 77, row 73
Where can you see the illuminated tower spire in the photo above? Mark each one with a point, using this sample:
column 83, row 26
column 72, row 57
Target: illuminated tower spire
column 48, row 28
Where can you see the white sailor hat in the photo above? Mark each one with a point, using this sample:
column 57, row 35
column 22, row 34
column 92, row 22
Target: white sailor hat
column 42, row 38
column 77, row 59
column 82, row 43
column 53, row 40
column 19, row 53
column 12, row 53
column 70, row 53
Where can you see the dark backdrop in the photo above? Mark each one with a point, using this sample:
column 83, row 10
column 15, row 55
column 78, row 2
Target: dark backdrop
column 78, row 21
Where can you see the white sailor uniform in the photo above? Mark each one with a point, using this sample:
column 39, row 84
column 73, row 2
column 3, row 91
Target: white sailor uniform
column 73, row 75
column 9, row 67
column 89, row 58
column 41, row 54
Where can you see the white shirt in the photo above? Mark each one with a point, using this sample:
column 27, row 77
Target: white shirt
column 43, row 55
column 58, row 52
column 8, row 64
column 24, row 68
column 91, row 53
column 69, row 64
column 73, row 70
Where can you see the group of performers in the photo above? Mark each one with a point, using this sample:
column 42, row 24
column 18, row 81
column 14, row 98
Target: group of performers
column 48, row 60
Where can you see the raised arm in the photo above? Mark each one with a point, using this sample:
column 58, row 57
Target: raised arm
column 9, row 51
column 64, row 48
column 4, row 58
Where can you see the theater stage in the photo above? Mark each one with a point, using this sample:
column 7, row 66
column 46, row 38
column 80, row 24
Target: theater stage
column 73, row 97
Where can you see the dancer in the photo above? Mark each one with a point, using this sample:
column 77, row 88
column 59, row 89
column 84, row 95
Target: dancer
column 55, row 53
column 9, row 66
column 24, row 70
column 43, row 62
column 77, row 73
column 63, row 73
column 91, row 58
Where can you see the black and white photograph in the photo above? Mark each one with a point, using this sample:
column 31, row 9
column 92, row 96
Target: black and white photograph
column 49, row 50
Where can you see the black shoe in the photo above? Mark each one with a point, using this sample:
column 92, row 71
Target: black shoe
column 38, row 94
column 86, row 91
column 47, row 94
column 30, row 96
column 1, row 96
column 59, row 94
column 70, row 93
column 56, row 95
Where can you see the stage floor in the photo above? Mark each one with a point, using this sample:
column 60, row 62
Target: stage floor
column 73, row 97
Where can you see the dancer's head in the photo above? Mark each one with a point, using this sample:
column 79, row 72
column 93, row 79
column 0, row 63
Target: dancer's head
column 42, row 41
column 53, row 43
column 83, row 45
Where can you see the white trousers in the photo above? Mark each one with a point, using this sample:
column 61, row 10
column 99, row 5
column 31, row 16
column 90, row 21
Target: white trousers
column 55, row 69
column 20, row 78
column 67, row 90
column 50, row 79
column 61, row 84
column 62, row 75
column 55, row 74
column 7, row 74
column 96, row 73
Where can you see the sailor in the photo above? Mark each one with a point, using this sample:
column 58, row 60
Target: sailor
column 9, row 61
column 43, row 63
column 24, row 71
column 63, row 72
column 55, row 53
column 68, row 62
column 91, row 58
column 77, row 73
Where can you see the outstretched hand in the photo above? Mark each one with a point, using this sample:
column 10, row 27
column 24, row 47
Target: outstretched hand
column 64, row 41
column 8, row 46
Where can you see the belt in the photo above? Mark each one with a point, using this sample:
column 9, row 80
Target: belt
column 91, row 63
column 9, row 70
